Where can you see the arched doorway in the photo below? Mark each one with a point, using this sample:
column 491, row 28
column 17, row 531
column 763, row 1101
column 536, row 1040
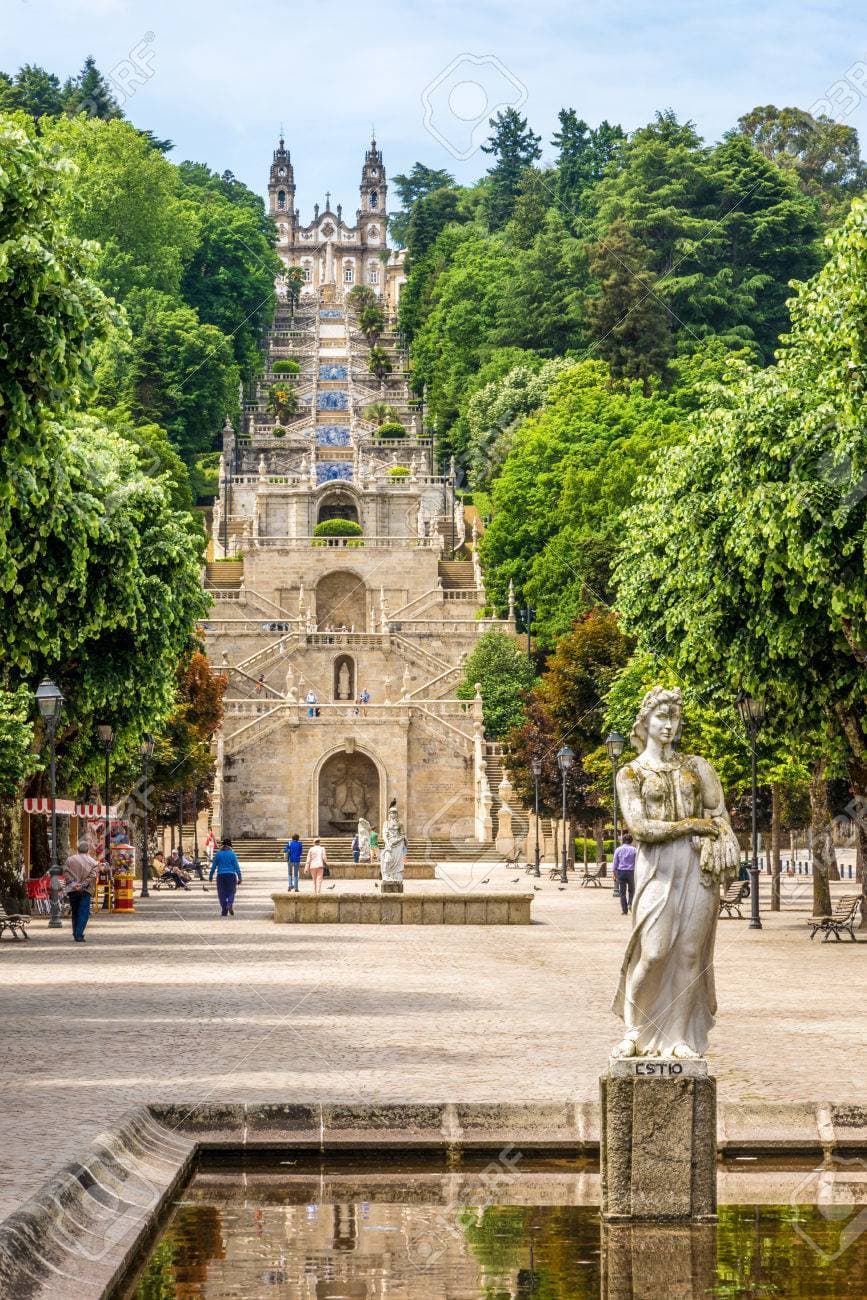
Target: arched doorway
column 348, row 789
column 341, row 602
column 337, row 505
column 343, row 684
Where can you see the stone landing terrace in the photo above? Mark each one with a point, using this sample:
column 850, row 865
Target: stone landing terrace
column 176, row 1004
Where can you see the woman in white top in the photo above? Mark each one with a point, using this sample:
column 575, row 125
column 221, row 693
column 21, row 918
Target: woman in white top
column 317, row 861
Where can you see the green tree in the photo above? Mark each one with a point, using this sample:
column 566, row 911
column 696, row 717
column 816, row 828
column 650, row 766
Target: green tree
column 411, row 187
column 504, row 674
column 585, row 154
column 230, row 277
column 90, row 93
column 561, row 495
column 130, row 199
column 430, row 215
column 514, row 147
column 824, row 155
column 33, row 91
column 739, row 557
column 541, row 303
column 182, row 376
column 628, row 321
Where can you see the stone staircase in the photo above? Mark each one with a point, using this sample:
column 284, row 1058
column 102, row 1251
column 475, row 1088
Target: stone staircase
column 339, row 850
column 224, row 575
column 457, row 575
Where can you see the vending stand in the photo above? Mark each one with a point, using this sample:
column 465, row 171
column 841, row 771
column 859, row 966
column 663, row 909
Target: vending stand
column 114, row 892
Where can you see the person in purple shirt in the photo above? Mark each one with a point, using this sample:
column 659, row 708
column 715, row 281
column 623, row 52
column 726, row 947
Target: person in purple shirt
column 624, row 872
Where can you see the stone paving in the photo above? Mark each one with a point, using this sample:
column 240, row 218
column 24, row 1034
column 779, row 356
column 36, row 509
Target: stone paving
column 176, row 1002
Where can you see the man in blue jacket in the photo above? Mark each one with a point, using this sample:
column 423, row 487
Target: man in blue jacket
column 293, row 851
column 227, row 869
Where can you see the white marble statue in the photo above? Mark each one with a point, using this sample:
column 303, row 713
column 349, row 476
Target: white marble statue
column 363, row 840
column 393, row 852
column 344, row 683
column 673, row 805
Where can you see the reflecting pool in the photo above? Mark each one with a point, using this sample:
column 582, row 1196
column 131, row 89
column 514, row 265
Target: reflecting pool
column 509, row 1228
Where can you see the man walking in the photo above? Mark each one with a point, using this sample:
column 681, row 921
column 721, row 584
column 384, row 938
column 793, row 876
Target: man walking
column 227, row 869
column 293, row 851
column 80, row 874
column 624, row 872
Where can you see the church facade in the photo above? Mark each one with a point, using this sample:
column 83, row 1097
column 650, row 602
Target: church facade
column 346, row 585
column 331, row 249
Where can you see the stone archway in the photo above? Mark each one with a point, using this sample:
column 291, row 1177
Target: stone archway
column 338, row 504
column 348, row 788
column 341, row 601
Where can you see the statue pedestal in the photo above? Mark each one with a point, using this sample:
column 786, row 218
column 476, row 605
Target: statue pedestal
column 391, row 886
column 658, row 1153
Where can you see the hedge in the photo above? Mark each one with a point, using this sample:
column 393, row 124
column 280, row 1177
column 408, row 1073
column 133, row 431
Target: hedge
column 338, row 528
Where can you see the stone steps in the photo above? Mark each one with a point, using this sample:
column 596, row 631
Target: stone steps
column 338, row 849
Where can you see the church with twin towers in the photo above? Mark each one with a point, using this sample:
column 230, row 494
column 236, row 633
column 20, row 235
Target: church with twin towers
column 331, row 249
column 343, row 569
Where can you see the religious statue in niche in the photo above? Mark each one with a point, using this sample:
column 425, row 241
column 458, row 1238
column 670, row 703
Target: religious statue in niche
column 344, row 682
column 394, row 847
column 674, row 807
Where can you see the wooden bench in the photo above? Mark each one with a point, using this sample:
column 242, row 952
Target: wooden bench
column 842, row 918
column 17, row 925
column 592, row 875
column 730, row 901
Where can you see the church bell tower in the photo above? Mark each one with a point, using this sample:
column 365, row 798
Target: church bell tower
column 281, row 195
column 372, row 215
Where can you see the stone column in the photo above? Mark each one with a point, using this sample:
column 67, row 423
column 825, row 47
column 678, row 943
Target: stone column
column 658, row 1153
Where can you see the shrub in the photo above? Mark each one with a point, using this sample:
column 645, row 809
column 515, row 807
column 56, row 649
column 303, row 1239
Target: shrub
column 591, row 849
column 338, row 528
column 391, row 429
column 290, row 367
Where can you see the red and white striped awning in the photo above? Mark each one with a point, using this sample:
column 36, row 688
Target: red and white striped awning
column 68, row 808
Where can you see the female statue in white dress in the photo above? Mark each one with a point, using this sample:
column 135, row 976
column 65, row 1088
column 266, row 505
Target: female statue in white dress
column 393, row 854
column 673, row 805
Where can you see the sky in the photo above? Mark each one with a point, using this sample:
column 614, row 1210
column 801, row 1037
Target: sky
column 219, row 78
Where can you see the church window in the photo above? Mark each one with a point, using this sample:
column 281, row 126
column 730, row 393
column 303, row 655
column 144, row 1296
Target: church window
column 281, row 200
column 374, row 199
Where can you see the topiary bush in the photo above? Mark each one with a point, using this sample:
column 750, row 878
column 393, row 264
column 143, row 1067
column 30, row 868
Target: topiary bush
column 338, row 528
column 391, row 429
column 290, row 367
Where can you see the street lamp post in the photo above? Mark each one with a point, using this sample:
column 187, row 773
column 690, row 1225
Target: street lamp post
column 537, row 772
column 565, row 757
column 105, row 731
column 49, row 699
column 147, row 750
column 752, row 712
column 614, row 744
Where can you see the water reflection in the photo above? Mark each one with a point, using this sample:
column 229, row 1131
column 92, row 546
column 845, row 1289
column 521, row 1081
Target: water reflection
column 415, row 1234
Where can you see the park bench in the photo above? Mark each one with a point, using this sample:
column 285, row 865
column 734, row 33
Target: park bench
column 17, row 925
column 730, row 901
column 591, row 874
column 842, row 918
